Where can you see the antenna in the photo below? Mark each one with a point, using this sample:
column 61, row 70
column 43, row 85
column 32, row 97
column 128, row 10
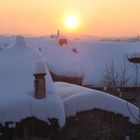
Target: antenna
column 58, row 33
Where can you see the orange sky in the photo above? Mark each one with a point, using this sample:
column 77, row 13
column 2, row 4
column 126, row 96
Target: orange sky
column 97, row 17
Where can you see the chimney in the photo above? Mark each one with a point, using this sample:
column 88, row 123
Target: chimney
column 39, row 81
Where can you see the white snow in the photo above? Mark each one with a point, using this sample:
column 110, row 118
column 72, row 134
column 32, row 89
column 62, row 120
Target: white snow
column 133, row 51
column 17, row 88
column 18, row 63
column 62, row 61
column 40, row 67
column 90, row 60
column 76, row 98
column 20, row 42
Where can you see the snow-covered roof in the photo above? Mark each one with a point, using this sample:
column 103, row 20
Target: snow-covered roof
column 76, row 99
column 17, row 88
column 90, row 60
column 133, row 51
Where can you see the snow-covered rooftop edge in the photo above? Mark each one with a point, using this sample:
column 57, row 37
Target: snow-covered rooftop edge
column 76, row 99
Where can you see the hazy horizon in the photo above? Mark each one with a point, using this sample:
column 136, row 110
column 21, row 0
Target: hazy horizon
column 70, row 34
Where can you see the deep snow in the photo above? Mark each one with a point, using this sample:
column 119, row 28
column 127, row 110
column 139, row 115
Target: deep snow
column 17, row 65
column 91, row 59
column 17, row 88
column 76, row 98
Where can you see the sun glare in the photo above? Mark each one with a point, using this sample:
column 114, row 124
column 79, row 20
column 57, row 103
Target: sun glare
column 71, row 21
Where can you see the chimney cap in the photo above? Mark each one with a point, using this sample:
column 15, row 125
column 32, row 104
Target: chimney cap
column 39, row 74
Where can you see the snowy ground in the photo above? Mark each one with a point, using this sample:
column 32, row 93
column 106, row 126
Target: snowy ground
column 91, row 58
column 88, row 58
column 17, row 65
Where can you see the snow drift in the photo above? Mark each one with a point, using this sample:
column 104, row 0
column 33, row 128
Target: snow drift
column 16, row 82
column 76, row 99
column 17, row 88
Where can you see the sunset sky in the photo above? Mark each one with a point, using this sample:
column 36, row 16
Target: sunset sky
column 96, row 17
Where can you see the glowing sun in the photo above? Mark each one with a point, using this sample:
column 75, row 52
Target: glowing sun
column 71, row 21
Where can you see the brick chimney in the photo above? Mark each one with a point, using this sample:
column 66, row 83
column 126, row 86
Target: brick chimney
column 39, row 81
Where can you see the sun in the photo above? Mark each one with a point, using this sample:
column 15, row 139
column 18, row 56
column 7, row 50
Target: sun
column 71, row 21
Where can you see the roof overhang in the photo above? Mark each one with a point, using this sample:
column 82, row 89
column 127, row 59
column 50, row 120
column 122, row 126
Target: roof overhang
column 134, row 59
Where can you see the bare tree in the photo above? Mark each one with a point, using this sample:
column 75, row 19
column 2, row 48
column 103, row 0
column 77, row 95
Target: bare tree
column 123, row 73
column 136, row 69
column 116, row 75
column 110, row 78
